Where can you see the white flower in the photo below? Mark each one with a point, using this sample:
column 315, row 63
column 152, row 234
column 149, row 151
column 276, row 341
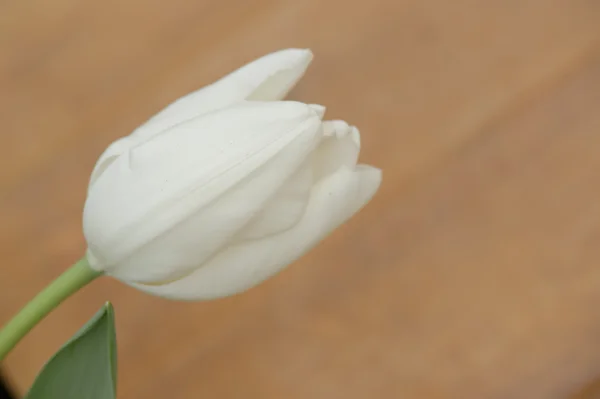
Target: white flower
column 224, row 187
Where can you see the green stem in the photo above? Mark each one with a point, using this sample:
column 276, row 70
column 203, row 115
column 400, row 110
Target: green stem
column 74, row 278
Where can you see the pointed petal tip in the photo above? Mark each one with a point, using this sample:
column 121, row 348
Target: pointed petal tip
column 275, row 74
column 318, row 109
column 305, row 57
column 308, row 54
column 302, row 54
column 293, row 57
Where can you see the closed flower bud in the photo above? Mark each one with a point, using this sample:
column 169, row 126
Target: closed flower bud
column 224, row 187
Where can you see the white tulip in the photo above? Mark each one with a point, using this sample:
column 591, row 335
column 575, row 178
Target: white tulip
column 224, row 187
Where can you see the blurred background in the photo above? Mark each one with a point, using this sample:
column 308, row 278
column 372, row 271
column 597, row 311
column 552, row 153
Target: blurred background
column 475, row 271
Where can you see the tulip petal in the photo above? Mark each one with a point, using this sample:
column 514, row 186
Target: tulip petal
column 340, row 147
column 156, row 186
column 268, row 78
column 240, row 267
column 284, row 209
column 108, row 157
column 193, row 241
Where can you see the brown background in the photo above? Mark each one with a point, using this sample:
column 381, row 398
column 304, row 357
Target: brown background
column 474, row 273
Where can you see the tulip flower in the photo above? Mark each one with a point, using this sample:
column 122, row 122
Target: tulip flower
column 225, row 187
column 216, row 193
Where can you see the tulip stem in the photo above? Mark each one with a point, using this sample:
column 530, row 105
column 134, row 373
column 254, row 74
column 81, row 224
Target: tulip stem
column 74, row 278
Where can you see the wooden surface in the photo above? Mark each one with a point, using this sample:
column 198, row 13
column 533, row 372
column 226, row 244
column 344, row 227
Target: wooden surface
column 474, row 273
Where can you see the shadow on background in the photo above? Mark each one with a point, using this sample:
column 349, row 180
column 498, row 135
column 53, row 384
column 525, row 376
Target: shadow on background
column 4, row 391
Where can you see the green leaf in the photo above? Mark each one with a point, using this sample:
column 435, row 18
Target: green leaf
column 85, row 367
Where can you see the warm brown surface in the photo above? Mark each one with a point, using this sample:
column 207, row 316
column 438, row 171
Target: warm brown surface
column 475, row 273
